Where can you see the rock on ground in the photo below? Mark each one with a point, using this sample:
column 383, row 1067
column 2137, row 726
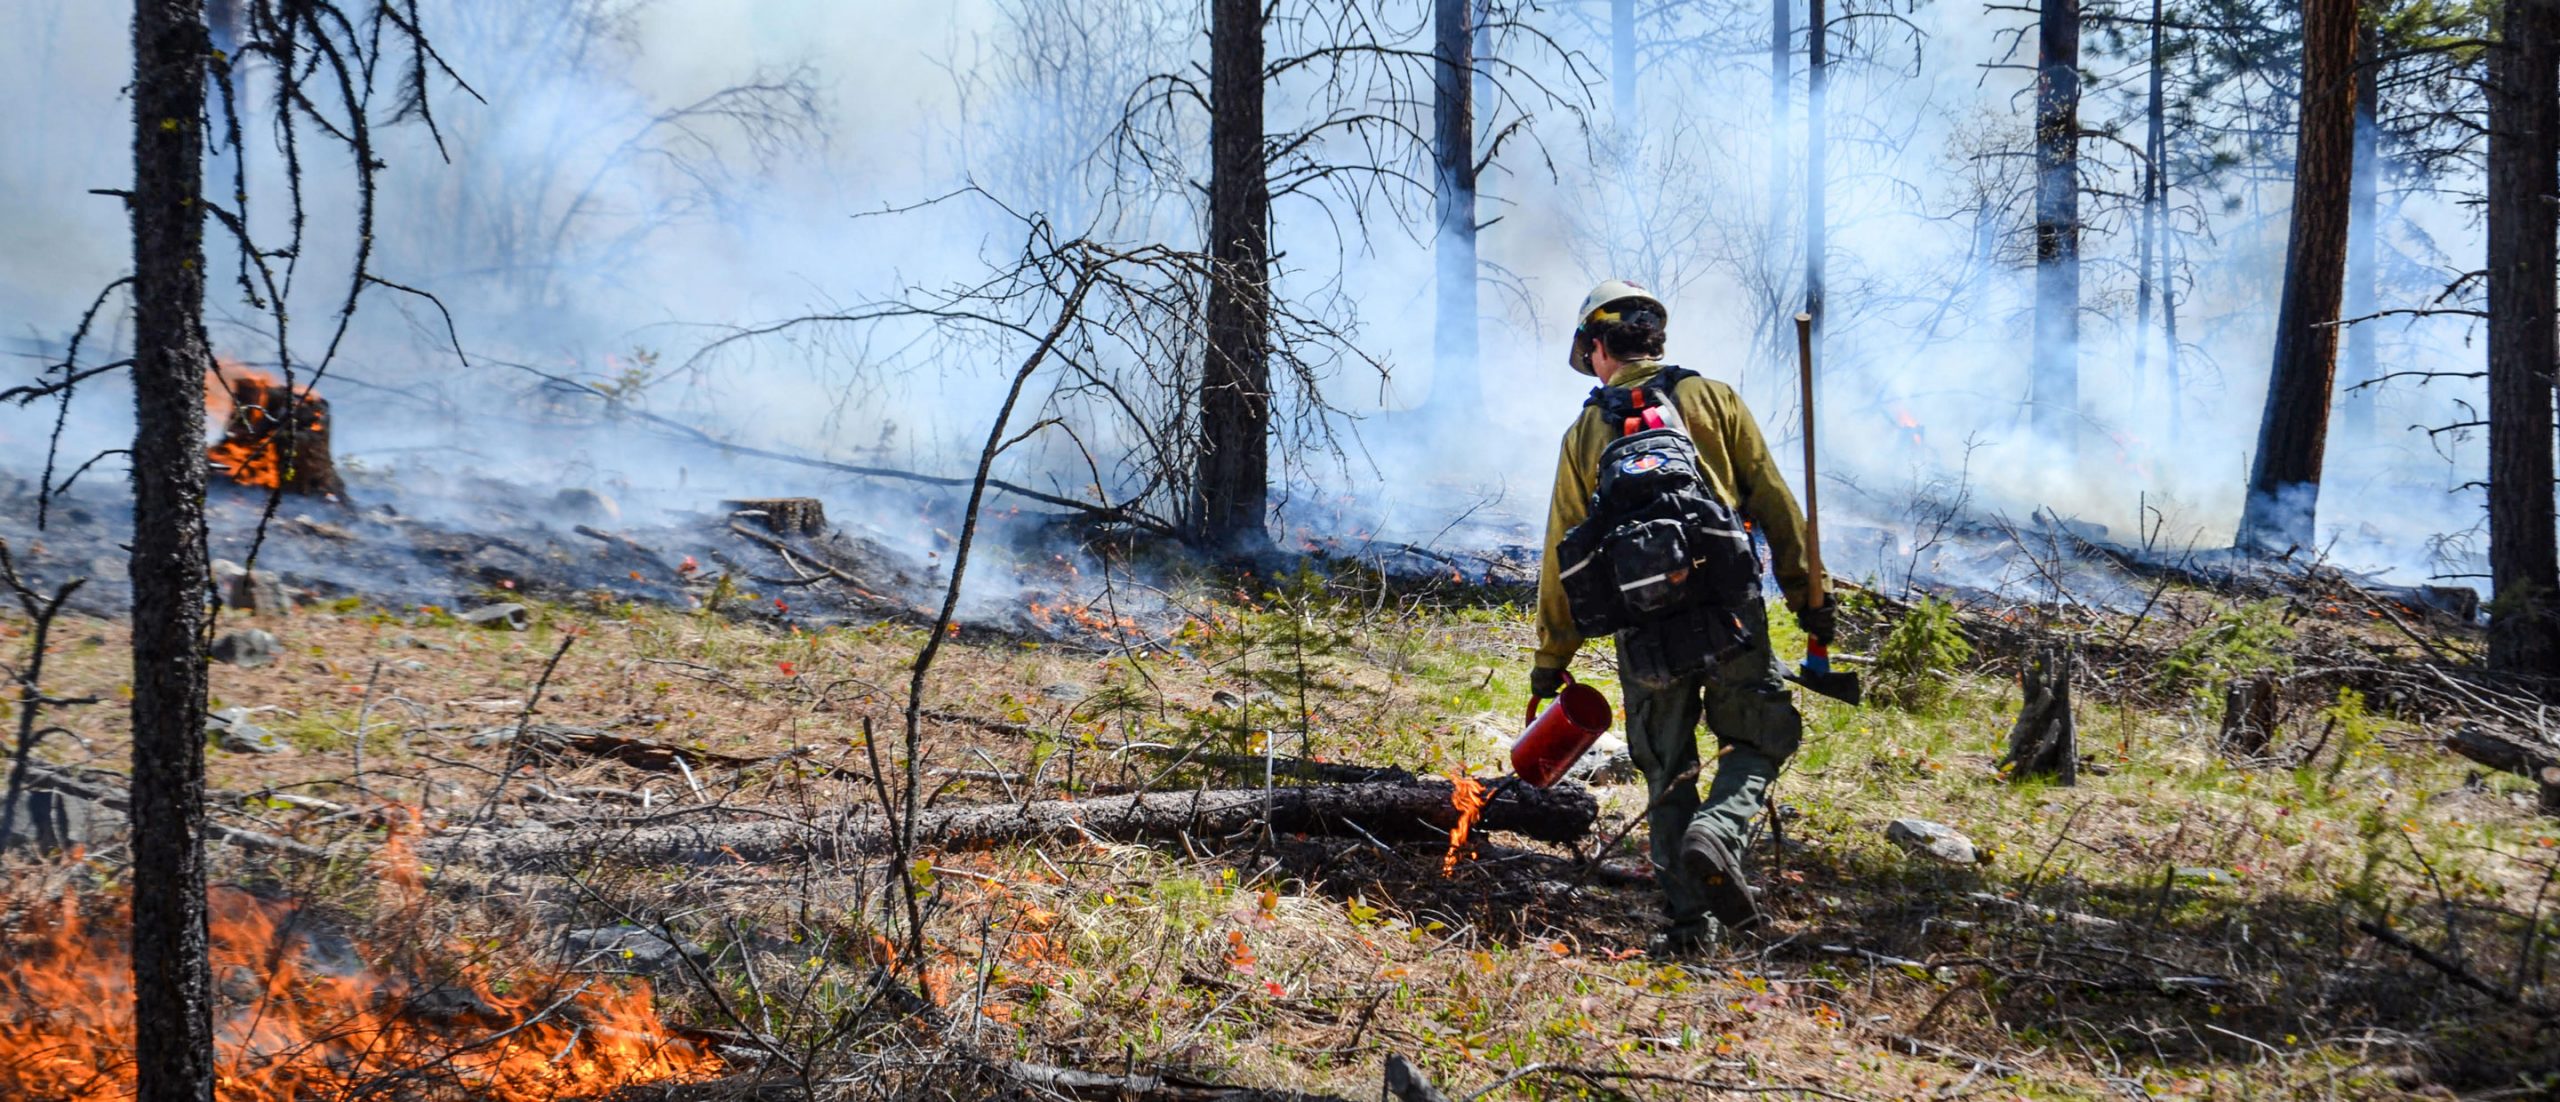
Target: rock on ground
column 248, row 649
column 509, row 616
column 231, row 730
column 1935, row 841
column 628, row 948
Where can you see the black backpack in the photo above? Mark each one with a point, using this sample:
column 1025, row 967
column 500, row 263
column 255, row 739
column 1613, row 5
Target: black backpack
column 1659, row 558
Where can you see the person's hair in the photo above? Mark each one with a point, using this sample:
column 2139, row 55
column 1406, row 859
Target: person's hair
column 1638, row 335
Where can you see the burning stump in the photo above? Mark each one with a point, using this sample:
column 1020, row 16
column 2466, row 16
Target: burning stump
column 2043, row 741
column 272, row 437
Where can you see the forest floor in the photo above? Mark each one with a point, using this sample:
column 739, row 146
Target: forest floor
column 2177, row 924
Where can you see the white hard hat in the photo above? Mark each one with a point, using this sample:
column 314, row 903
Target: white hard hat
column 1596, row 308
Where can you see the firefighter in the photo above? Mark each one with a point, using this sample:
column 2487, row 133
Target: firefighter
column 1697, row 847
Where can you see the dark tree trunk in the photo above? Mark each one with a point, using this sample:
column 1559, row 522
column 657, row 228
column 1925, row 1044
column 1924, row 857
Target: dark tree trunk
column 1622, row 64
column 2293, row 435
column 1816, row 75
column 2364, row 233
column 2054, row 390
column 1455, row 392
column 1233, row 483
column 173, row 1027
column 2524, row 171
column 1781, row 71
column 2147, row 246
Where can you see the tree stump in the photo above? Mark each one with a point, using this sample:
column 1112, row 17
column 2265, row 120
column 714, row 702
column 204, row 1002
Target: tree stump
column 2252, row 713
column 272, row 437
column 2044, row 741
column 784, row 516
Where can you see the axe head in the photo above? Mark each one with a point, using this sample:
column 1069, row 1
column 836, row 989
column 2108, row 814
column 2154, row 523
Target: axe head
column 1840, row 685
column 1815, row 673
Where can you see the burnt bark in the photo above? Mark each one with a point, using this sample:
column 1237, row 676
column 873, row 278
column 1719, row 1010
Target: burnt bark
column 1455, row 389
column 1415, row 811
column 2054, row 388
column 2524, row 171
column 173, row 1027
column 2293, row 434
column 1231, row 491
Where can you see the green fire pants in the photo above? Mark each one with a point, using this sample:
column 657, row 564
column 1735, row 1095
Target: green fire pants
column 1745, row 701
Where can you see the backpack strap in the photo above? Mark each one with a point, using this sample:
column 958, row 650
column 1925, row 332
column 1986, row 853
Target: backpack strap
column 1631, row 410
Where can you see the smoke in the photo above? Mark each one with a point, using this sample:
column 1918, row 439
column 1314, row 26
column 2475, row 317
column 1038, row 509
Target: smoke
column 643, row 178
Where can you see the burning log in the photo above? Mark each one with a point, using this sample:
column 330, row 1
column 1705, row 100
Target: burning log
column 272, row 437
column 1418, row 811
column 2044, row 742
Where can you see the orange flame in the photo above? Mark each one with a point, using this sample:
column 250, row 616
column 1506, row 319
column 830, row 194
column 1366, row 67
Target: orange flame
column 250, row 405
column 303, row 1014
column 1468, row 797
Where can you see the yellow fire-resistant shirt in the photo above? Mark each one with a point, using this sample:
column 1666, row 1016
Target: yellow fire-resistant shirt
column 1738, row 470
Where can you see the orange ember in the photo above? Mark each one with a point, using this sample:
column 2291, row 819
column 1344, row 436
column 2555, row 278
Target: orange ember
column 252, row 407
column 1468, row 796
column 302, row 1013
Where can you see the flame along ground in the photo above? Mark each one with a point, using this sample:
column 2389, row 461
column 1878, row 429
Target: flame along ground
column 1468, row 797
column 250, row 405
column 303, row 1013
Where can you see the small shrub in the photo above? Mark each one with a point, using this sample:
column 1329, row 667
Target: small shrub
column 2244, row 640
column 1917, row 661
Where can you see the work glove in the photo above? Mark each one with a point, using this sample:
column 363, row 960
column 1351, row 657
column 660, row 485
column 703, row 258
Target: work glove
column 1821, row 622
column 1545, row 682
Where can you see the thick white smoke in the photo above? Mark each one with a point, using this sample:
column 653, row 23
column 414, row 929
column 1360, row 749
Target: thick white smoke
column 620, row 201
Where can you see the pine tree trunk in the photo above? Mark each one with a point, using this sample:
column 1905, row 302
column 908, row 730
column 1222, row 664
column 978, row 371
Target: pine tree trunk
column 1233, row 480
column 2364, row 231
column 1816, row 77
column 2293, row 434
column 173, row 1038
column 2054, row 390
column 1781, row 73
column 2147, row 253
column 2524, row 247
column 1455, row 390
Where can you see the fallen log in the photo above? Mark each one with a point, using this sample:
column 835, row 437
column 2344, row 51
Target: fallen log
column 1416, row 811
column 2538, row 764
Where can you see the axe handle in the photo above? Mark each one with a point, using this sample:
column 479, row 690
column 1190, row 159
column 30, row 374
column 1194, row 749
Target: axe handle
column 1815, row 595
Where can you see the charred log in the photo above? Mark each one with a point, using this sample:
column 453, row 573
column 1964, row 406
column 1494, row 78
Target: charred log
column 1420, row 811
